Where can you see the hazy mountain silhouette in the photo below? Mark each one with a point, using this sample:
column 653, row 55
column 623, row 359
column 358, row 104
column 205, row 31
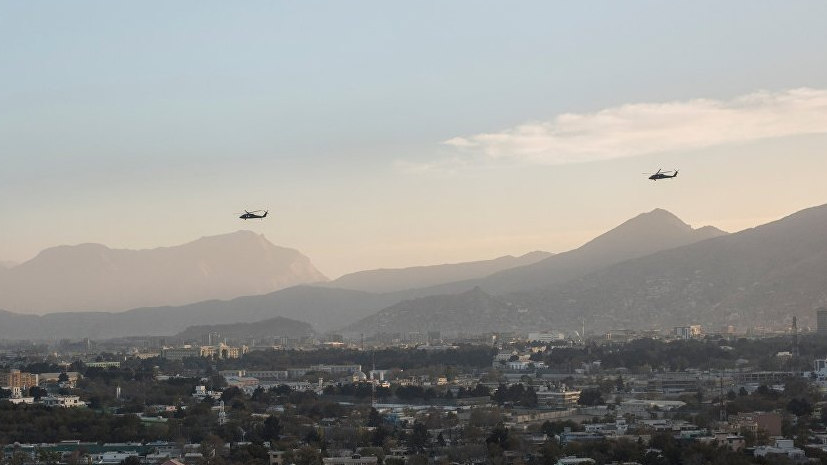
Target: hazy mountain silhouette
column 325, row 309
column 472, row 311
column 399, row 279
column 6, row 264
column 547, row 281
column 272, row 327
column 760, row 276
column 94, row 277
column 642, row 235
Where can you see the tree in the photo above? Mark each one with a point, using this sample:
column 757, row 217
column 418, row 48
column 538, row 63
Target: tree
column 591, row 397
column 37, row 392
column 498, row 436
column 375, row 418
column 419, row 437
column 272, row 429
column 799, row 407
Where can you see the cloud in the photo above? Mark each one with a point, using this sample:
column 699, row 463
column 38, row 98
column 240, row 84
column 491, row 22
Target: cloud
column 645, row 128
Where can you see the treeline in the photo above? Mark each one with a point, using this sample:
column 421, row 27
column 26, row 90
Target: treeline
column 646, row 354
column 405, row 393
column 405, row 359
column 38, row 424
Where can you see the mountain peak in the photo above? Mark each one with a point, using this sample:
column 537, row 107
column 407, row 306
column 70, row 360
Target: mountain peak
column 95, row 277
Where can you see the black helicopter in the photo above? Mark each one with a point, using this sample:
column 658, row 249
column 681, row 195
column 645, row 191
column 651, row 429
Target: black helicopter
column 662, row 174
column 253, row 215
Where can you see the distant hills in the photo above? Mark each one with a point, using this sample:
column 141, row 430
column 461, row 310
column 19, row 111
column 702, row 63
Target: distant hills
column 399, row 279
column 92, row 277
column 472, row 311
column 758, row 277
column 269, row 328
column 6, row 264
column 642, row 235
column 653, row 271
column 323, row 308
column 761, row 276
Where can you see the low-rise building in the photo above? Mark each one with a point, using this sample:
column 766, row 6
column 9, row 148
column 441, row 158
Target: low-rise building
column 350, row 460
column 62, row 401
column 781, row 447
column 752, row 422
column 688, row 332
column 557, row 398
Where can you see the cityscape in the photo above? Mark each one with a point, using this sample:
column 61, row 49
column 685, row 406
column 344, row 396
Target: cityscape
column 434, row 233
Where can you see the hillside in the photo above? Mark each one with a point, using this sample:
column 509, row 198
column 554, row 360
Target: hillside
column 473, row 311
column 642, row 235
column 325, row 309
column 270, row 328
column 93, row 277
column 758, row 277
column 399, row 279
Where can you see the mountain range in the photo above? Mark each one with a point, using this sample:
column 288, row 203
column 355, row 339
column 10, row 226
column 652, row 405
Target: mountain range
column 93, row 277
column 758, row 277
column 652, row 271
column 417, row 277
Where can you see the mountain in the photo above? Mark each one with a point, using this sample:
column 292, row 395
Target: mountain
column 472, row 311
column 398, row 279
column 526, row 297
column 6, row 264
column 272, row 327
column 758, row 277
column 325, row 309
column 642, row 235
column 91, row 277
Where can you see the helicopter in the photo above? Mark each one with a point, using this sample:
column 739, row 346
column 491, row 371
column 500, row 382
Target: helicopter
column 253, row 215
column 662, row 174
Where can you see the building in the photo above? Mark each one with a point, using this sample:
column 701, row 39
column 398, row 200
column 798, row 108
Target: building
column 62, row 401
column 336, row 369
column 674, row 383
column 18, row 379
column 221, row 351
column 688, row 332
column 546, row 336
column 767, row 421
column 261, row 375
column 103, row 364
column 180, row 353
column 821, row 320
column 557, row 398
column 781, row 447
column 572, row 460
column 355, row 459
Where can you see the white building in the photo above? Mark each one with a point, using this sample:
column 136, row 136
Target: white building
column 113, row 458
column 62, row 401
column 546, row 336
column 781, row 447
column 688, row 332
column 351, row 460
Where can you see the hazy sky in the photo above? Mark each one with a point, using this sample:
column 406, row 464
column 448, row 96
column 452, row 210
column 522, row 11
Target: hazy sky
column 383, row 134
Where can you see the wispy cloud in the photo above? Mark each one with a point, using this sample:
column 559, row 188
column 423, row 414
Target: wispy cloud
column 644, row 128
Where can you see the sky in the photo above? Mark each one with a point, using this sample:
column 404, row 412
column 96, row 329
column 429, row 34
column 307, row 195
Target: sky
column 392, row 134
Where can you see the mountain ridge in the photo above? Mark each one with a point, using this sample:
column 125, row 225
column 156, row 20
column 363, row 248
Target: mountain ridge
column 93, row 277
column 383, row 280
